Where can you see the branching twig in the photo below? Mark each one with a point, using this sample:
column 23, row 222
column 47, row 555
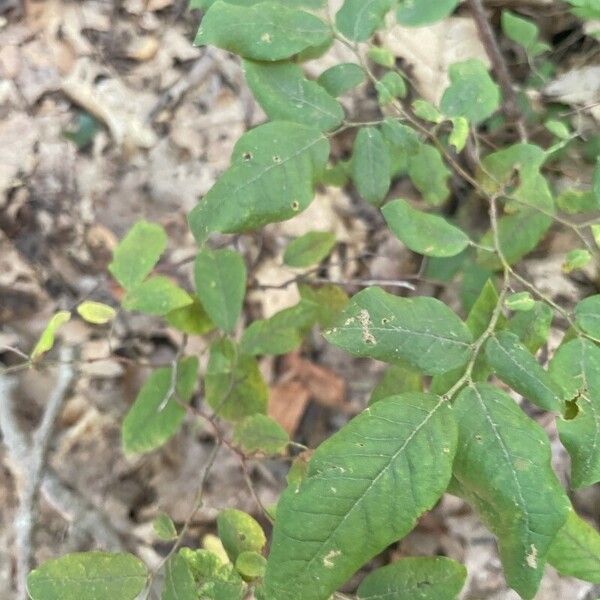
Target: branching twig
column 488, row 39
column 30, row 456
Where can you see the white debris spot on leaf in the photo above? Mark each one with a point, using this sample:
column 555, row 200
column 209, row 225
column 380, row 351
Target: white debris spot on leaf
column 328, row 560
column 531, row 558
column 365, row 322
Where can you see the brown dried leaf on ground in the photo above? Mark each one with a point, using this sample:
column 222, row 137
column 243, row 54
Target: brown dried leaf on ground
column 287, row 402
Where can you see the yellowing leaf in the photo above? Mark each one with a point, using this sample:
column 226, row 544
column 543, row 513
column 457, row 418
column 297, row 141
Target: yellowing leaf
column 96, row 312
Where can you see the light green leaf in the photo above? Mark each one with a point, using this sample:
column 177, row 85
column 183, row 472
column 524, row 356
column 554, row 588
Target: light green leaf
column 156, row 414
column 381, row 56
column 576, row 367
column 577, row 201
column 521, row 301
column 234, row 385
column 517, row 367
column 164, row 527
column 472, row 93
column 425, row 578
column 422, row 331
column 157, row 295
column 558, row 128
column 397, row 379
column 271, row 179
column 596, row 234
column 596, row 181
column 179, row 583
column 532, row 327
column 371, row 165
column 309, row 249
column 585, row 9
column 426, row 234
column 220, row 277
column 89, row 575
column 576, row 259
column 46, row 340
column 259, row 433
column 267, row 31
column 459, row 134
column 340, row 514
column 358, row 19
column 190, row 319
column 424, row 12
column 429, row 174
column 523, row 32
column 251, row 565
column 239, row 533
column 587, row 315
column 575, row 552
column 391, row 86
column 285, row 94
column 427, row 111
column 339, row 79
column 282, row 332
column 137, row 253
column 329, row 300
column 503, row 467
column 96, row 312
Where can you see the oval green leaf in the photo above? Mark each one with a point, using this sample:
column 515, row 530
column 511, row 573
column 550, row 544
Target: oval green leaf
column 371, row 165
column 309, row 249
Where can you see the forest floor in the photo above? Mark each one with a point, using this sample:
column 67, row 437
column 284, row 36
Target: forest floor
column 108, row 114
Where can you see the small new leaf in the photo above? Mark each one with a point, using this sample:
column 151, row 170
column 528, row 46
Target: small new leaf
column 96, row 312
column 46, row 340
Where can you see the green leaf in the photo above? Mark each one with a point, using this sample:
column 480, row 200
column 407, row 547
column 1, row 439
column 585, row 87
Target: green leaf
column 425, row 578
column 340, row 515
column 422, row 331
column 339, row 79
column 179, row 583
column 523, row 32
column 220, row 277
column 575, row 552
column 281, row 333
column 459, row 134
column 89, row 575
column 503, row 467
column 239, row 533
column 576, row 259
column 532, row 327
column 587, row 315
column 585, row 9
column 577, row 201
column 521, row 301
column 46, row 340
column 190, row 319
column 397, row 379
column 156, row 415
column 164, row 527
column 596, row 234
column 267, row 31
column 156, row 296
column 358, row 19
column 371, row 165
column 391, row 86
column 517, row 367
column 259, row 433
column 251, row 565
column 381, row 56
column 284, row 93
column 329, row 300
column 96, row 312
column 576, row 367
column 413, row 13
column 429, row 174
column 472, row 93
column 427, row 111
column 309, row 249
column 137, row 253
column 271, row 179
column 426, row 234
column 234, row 385
column 558, row 128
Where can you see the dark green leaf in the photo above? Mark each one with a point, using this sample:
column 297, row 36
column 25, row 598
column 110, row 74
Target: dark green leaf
column 422, row 331
column 220, row 277
column 266, row 31
column 371, row 165
column 426, row 234
column 329, row 300
column 423, row 12
column 587, row 315
column 429, row 174
column 339, row 79
column 397, row 379
column 89, row 575
column 285, row 94
column 271, row 179
column 340, row 514
column 503, row 467
column 358, row 19
column 532, row 327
